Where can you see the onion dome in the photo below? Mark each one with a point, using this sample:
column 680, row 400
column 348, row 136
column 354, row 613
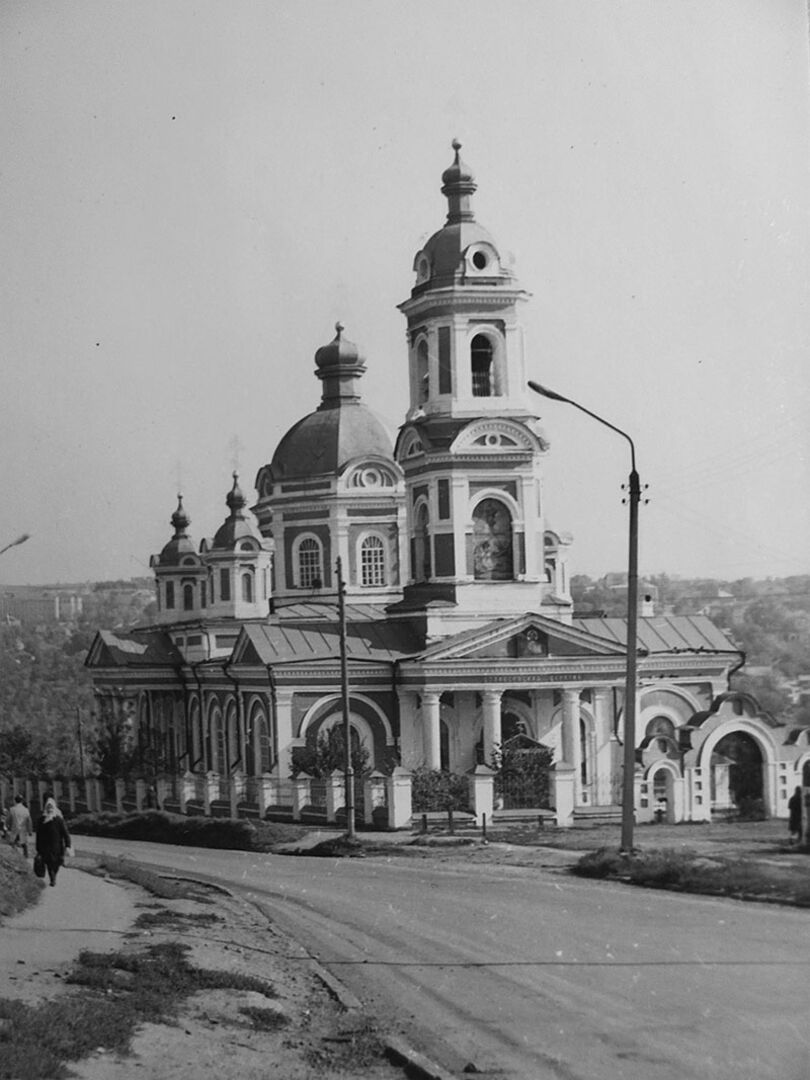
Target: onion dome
column 458, row 183
column 180, row 544
column 462, row 251
column 237, row 526
column 341, row 428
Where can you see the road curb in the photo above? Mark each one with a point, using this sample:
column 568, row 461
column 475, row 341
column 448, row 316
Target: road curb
column 397, row 1049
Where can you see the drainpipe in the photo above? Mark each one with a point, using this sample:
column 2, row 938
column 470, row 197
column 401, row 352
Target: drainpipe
column 240, row 712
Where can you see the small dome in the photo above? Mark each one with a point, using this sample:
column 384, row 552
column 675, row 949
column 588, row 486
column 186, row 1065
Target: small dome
column 237, row 525
column 340, row 352
column 457, row 173
column 180, row 545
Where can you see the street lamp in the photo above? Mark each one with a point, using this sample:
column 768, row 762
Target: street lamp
column 633, row 498
column 20, row 540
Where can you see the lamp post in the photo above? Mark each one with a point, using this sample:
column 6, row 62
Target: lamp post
column 344, row 693
column 633, row 498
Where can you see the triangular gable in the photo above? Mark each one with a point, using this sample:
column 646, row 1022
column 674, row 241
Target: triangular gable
column 530, row 636
column 100, row 655
column 247, row 649
column 111, row 650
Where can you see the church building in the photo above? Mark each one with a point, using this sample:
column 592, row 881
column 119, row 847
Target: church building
column 461, row 631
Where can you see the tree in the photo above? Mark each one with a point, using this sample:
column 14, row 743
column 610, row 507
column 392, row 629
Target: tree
column 325, row 754
column 20, row 755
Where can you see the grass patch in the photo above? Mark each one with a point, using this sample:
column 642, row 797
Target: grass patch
column 158, row 827
column 117, row 992
column 163, row 919
column 19, row 888
column 264, row 1019
column 165, row 888
column 351, row 1051
column 686, row 871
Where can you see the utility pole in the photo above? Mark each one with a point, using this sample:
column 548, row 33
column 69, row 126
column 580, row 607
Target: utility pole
column 344, row 693
column 79, row 733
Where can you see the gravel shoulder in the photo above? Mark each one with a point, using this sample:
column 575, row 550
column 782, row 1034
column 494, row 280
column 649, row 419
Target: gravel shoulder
column 304, row 1030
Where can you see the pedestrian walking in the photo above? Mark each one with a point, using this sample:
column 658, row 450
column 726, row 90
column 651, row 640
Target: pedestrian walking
column 53, row 839
column 20, row 826
column 795, row 816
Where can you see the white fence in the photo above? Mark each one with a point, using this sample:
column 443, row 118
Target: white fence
column 380, row 801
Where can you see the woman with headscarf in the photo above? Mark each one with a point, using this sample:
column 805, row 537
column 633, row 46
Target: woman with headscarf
column 53, row 839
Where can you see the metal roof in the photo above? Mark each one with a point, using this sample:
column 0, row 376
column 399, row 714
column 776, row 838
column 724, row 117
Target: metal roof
column 663, row 633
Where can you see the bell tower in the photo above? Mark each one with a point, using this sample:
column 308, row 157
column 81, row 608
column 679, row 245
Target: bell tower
column 470, row 448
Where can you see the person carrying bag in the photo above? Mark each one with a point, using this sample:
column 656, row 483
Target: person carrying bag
column 53, row 840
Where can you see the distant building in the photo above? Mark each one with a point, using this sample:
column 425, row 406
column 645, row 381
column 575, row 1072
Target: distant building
column 461, row 631
column 38, row 605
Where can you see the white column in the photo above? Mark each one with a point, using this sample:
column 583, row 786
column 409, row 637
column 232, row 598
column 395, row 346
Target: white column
column 284, row 735
column 410, row 734
column 570, row 735
column 491, row 711
column 430, row 729
column 603, row 762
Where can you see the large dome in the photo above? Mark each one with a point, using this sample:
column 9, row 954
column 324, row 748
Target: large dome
column 327, row 439
column 341, row 428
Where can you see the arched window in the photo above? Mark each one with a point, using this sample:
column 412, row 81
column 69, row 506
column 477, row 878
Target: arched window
column 481, row 366
column 188, row 597
column 421, row 544
column 492, row 542
column 310, row 572
column 169, row 594
column 372, row 562
column 203, row 595
column 422, row 373
column 661, row 726
column 247, row 587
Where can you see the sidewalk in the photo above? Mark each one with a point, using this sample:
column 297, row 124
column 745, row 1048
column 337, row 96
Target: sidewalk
column 38, row 946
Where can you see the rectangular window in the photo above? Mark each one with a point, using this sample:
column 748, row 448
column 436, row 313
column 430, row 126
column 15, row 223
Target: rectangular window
column 445, row 371
column 444, row 499
column 169, row 594
column 224, row 585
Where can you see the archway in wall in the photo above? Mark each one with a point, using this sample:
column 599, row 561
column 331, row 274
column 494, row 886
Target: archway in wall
column 662, row 794
column 736, row 780
column 492, row 542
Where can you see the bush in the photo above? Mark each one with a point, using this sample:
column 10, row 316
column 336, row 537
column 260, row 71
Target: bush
column 436, row 789
column 160, row 827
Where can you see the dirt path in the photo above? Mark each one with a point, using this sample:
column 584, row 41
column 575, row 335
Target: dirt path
column 304, row 1031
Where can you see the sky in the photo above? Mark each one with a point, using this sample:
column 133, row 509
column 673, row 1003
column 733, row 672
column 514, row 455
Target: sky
column 193, row 192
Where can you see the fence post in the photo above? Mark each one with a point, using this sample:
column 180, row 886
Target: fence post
column 399, row 798
column 564, row 794
column 120, row 791
column 5, row 792
column 187, row 790
column 73, row 789
column 264, row 786
column 210, row 791
column 140, row 795
column 57, row 788
column 373, row 795
column 482, row 792
column 335, row 794
column 92, row 789
column 301, row 796
column 161, row 791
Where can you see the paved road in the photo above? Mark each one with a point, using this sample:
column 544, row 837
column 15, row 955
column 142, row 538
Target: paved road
column 531, row 974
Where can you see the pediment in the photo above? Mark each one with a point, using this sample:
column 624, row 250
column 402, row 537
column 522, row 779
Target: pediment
column 495, row 435
column 246, row 650
column 527, row 637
